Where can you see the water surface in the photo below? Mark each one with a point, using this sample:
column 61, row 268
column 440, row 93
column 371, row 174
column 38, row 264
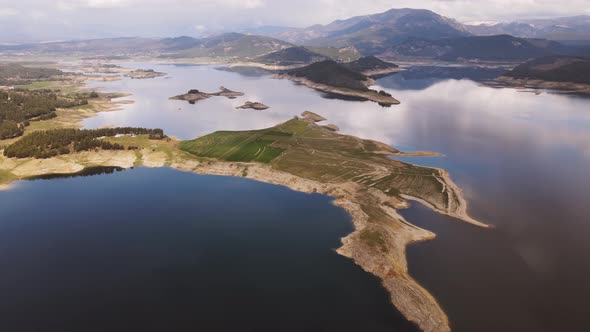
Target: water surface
column 521, row 159
column 160, row 250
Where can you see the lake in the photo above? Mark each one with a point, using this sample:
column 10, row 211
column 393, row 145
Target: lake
column 161, row 250
column 522, row 160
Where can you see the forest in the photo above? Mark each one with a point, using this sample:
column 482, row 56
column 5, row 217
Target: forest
column 51, row 143
column 15, row 74
column 18, row 107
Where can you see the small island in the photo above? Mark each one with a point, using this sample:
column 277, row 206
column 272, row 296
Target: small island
column 334, row 78
column 253, row 105
column 144, row 74
column 195, row 95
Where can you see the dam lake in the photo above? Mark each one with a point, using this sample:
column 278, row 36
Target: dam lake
column 158, row 249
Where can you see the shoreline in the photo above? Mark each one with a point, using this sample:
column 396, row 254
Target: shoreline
column 371, row 95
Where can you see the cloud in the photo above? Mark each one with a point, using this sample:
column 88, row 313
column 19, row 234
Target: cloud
column 8, row 12
column 105, row 18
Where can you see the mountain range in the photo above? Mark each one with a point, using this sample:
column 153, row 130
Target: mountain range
column 405, row 33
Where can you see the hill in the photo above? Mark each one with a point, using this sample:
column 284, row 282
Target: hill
column 554, row 69
column 338, row 81
column 372, row 34
column 488, row 48
column 291, row 56
column 333, row 74
column 371, row 65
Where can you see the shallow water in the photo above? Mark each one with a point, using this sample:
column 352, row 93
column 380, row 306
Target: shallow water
column 521, row 159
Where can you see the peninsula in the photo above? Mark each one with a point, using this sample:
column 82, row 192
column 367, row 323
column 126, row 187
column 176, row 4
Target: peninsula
column 564, row 74
column 334, row 78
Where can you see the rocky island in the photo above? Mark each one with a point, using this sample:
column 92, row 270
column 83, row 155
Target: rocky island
column 195, row 95
column 253, row 105
column 144, row 74
column 334, row 78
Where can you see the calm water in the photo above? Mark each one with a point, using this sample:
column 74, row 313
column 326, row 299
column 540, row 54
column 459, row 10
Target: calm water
column 522, row 160
column 161, row 250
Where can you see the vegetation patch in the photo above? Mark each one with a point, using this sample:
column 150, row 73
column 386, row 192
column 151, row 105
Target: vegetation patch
column 51, row 143
column 245, row 146
column 19, row 107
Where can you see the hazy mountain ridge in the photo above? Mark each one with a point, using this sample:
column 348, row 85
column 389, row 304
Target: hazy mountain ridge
column 561, row 28
column 225, row 45
column 490, row 48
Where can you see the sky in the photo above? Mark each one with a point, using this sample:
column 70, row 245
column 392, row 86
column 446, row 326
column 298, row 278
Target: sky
column 47, row 20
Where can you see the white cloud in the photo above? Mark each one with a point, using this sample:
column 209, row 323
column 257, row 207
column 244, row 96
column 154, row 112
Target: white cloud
column 99, row 18
column 8, row 12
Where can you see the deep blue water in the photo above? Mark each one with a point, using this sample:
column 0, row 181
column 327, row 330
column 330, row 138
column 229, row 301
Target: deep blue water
column 161, row 250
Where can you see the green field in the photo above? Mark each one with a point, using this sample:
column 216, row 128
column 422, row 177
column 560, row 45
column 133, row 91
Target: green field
column 246, row 146
column 313, row 152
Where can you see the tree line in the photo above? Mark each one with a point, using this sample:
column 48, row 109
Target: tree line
column 19, row 107
column 51, row 143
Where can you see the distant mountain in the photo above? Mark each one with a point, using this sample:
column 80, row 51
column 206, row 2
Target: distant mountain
column 232, row 45
column 563, row 28
column 291, row 56
column 372, row 34
column 555, row 69
column 333, row 74
column 488, row 48
column 101, row 46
